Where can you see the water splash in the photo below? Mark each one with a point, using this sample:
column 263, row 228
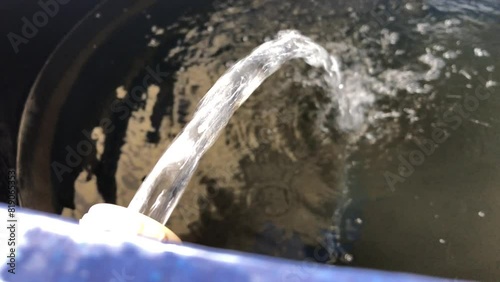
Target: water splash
column 162, row 189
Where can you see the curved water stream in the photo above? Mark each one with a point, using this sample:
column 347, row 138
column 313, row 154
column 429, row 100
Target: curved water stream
column 163, row 187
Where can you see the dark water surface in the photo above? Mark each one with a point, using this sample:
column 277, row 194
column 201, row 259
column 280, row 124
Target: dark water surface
column 412, row 189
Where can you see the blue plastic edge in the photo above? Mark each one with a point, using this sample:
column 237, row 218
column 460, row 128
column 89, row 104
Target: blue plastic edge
column 50, row 248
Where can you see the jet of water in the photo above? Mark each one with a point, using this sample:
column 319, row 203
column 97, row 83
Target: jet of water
column 161, row 190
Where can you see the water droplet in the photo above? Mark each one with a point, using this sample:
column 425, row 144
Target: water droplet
column 358, row 220
column 159, row 31
column 121, row 92
column 409, row 6
column 481, row 53
column 348, row 257
column 438, row 47
column 98, row 15
column 450, row 54
column 442, row 241
column 481, row 214
column 423, row 28
column 153, row 43
column 451, row 22
column 364, row 28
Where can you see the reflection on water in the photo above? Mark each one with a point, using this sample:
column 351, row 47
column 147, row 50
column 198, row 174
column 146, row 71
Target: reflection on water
column 382, row 196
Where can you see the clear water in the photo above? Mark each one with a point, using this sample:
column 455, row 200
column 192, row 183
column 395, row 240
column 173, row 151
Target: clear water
column 284, row 178
column 163, row 187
